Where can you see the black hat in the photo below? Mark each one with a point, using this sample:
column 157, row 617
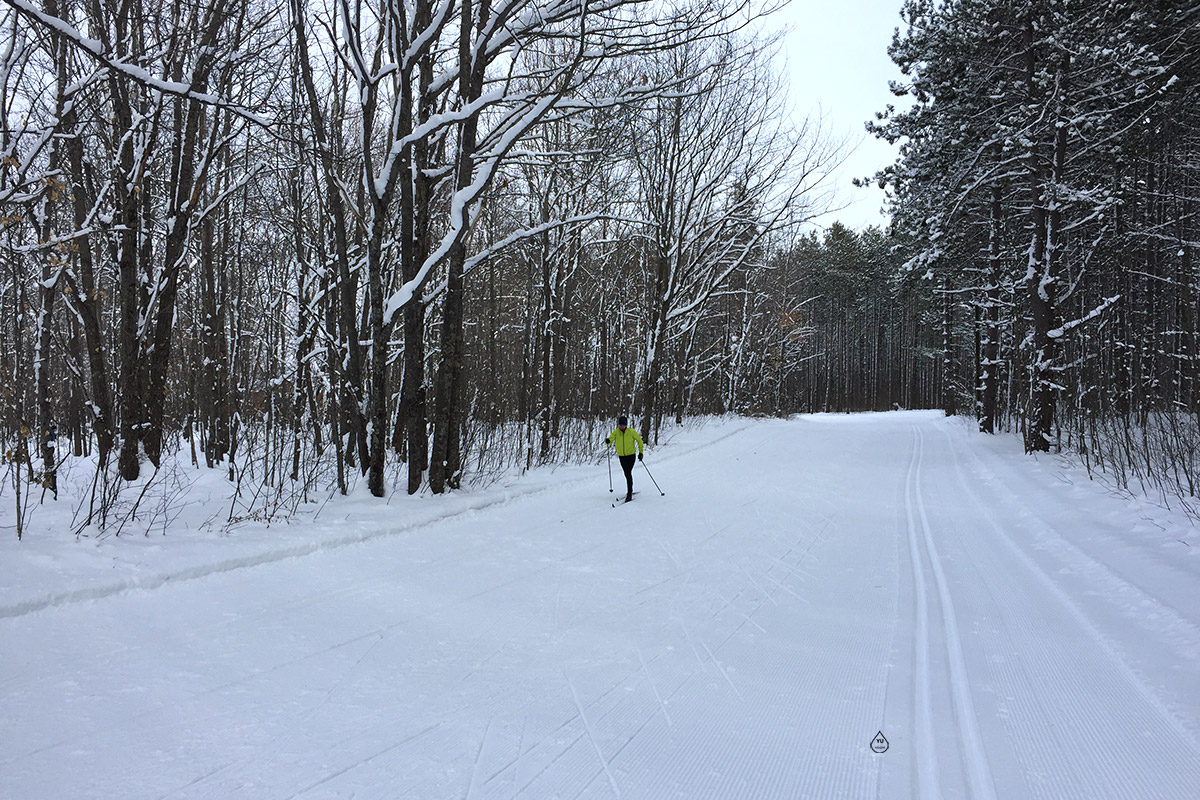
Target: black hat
column 622, row 420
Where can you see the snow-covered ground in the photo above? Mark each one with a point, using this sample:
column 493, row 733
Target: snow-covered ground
column 1012, row 629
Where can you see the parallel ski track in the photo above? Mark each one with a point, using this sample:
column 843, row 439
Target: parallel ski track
column 1085, row 621
column 922, row 547
column 925, row 746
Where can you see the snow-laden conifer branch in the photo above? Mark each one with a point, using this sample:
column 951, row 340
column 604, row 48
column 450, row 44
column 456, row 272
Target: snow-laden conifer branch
column 1066, row 327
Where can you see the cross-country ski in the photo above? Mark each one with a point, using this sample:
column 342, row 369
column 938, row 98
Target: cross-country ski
column 623, row 500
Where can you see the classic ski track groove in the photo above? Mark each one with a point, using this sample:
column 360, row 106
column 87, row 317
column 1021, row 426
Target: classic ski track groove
column 924, row 744
column 979, row 773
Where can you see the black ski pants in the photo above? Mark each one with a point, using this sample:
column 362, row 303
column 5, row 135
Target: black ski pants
column 627, row 463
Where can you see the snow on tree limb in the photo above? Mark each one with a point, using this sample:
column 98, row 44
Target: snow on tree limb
column 96, row 50
column 1061, row 330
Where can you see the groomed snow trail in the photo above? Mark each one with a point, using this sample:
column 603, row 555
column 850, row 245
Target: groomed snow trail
column 802, row 585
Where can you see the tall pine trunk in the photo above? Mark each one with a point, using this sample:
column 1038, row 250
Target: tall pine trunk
column 1039, row 283
column 990, row 366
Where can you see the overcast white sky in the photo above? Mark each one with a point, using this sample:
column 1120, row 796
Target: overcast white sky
column 836, row 54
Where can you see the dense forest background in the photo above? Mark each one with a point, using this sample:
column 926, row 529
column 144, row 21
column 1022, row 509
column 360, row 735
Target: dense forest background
column 416, row 241
column 1047, row 179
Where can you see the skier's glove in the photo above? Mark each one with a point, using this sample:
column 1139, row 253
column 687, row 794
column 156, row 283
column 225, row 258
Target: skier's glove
column 639, row 456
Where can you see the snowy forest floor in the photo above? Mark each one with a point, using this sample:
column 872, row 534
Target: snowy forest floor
column 1011, row 628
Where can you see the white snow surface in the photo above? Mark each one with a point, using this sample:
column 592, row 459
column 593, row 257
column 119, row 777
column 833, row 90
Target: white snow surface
column 1011, row 628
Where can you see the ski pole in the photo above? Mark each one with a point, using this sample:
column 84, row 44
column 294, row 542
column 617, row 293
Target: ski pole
column 610, row 486
column 651, row 474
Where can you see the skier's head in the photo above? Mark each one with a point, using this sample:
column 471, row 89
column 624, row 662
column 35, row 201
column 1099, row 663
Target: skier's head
column 622, row 422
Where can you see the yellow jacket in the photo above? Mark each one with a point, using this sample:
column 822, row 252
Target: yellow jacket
column 627, row 441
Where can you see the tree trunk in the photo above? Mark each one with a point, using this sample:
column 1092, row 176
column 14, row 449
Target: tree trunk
column 656, row 333
column 1039, row 286
column 990, row 375
column 85, row 296
column 949, row 390
column 415, row 233
column 127, row 217
column 445, row 467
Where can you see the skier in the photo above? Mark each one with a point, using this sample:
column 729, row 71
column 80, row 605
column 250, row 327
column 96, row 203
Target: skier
column 628, row 443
